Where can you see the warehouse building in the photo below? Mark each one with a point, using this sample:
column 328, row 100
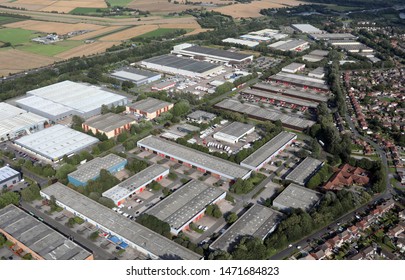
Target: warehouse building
column 273, row 34
column 210, row 54
column 16, row 122
column 351, row 46
column 259, row 221
column 91, row 170
column 142, row 239
column 295, row 196
column 200, row 116
column 315, row 56
column 36, row 238
column 205, row 163
column 64, row 99
column 298, row 80
column 279, row 99
column 306, row 94
column 8, row 177
column 293, row 68
column 296, row 45
column 136, row 183
column 307, row 28
column 181, row 66
column 233, row 132
column 135, row 75
column 269, row 150
column 163, row 85
column 186, row 205
column 55, row 142
column 332, row 36
column 304, row 171
column 109, row 124
column 265, row 114
column 255, row 38
column 150, row 108
column 241, row 42
column 318, row 73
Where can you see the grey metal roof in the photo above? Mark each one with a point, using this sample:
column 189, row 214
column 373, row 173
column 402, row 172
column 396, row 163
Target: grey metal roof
column 7, row 172
column 280, row 97
column 133, row 74
column 318, row 71
column 56, row 141
column 258, row 221
column 265, row 113
column 288, row 45
column 268, row 149
column 293, row 66
column 303, row 94
column 217, row 53
column 108, row 122
column 119, row 225
column 132, row 183
column 92, row 168
column 300, row 80
column 182, row 63
column 199, row 114
column 319, row 53
column 185, row 203
column 235, row 129
column 304, row 171
column 149, row 105
column 295, row 196
column 197, row 158
column 307, row 28
column 37, row 236
column 333, row 36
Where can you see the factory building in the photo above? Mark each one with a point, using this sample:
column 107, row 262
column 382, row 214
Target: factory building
column 295, row 196
column 109, row 124
column 318, row 73
column 332, row 36
column 163, row 85
column 351, row 46
column 307, row 94
column 203, row 162
column 278, row 99
column 269, row 150
column 302, row 81
column 135, row 75
column 259, row 221
column 210, row 54
column 200, row 116
column 255, row 38
column 265, row 114
column 16, row 122
column 307, row 28
column 315, row 56
column 136, row 183
column 64, row 99
column 150, row 108
column 29, row 235
column 307, row 168
column 181, row 66
column 241, row 42
column 8, row 177
column 234, row 132
column 91, row 169
column 293, row 68
column 186, row 205
column 55, row 142
column 121, row 229
column 296, row 45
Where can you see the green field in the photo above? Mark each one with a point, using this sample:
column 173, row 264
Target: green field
column 8, row 19
column 157, row 33
column 88, row 11
column 16, row 36
column 50, row 50
column 121, row 3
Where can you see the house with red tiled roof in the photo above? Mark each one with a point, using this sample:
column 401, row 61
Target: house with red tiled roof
column 347, row 176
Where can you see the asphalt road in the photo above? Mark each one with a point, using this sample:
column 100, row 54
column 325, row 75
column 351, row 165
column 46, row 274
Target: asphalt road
column 98, row 253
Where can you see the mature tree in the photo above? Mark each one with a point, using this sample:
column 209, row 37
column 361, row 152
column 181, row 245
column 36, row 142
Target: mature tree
column 231, row 217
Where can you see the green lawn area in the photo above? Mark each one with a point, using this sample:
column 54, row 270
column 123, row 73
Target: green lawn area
column 339, row 8
column 121, row 3
column 8, row 19
column 50, row 50
column 157, row 33
column 16, row 36
column 86, row 11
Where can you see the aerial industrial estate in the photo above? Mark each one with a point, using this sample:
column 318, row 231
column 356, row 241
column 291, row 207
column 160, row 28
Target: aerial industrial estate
column 272, row 135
